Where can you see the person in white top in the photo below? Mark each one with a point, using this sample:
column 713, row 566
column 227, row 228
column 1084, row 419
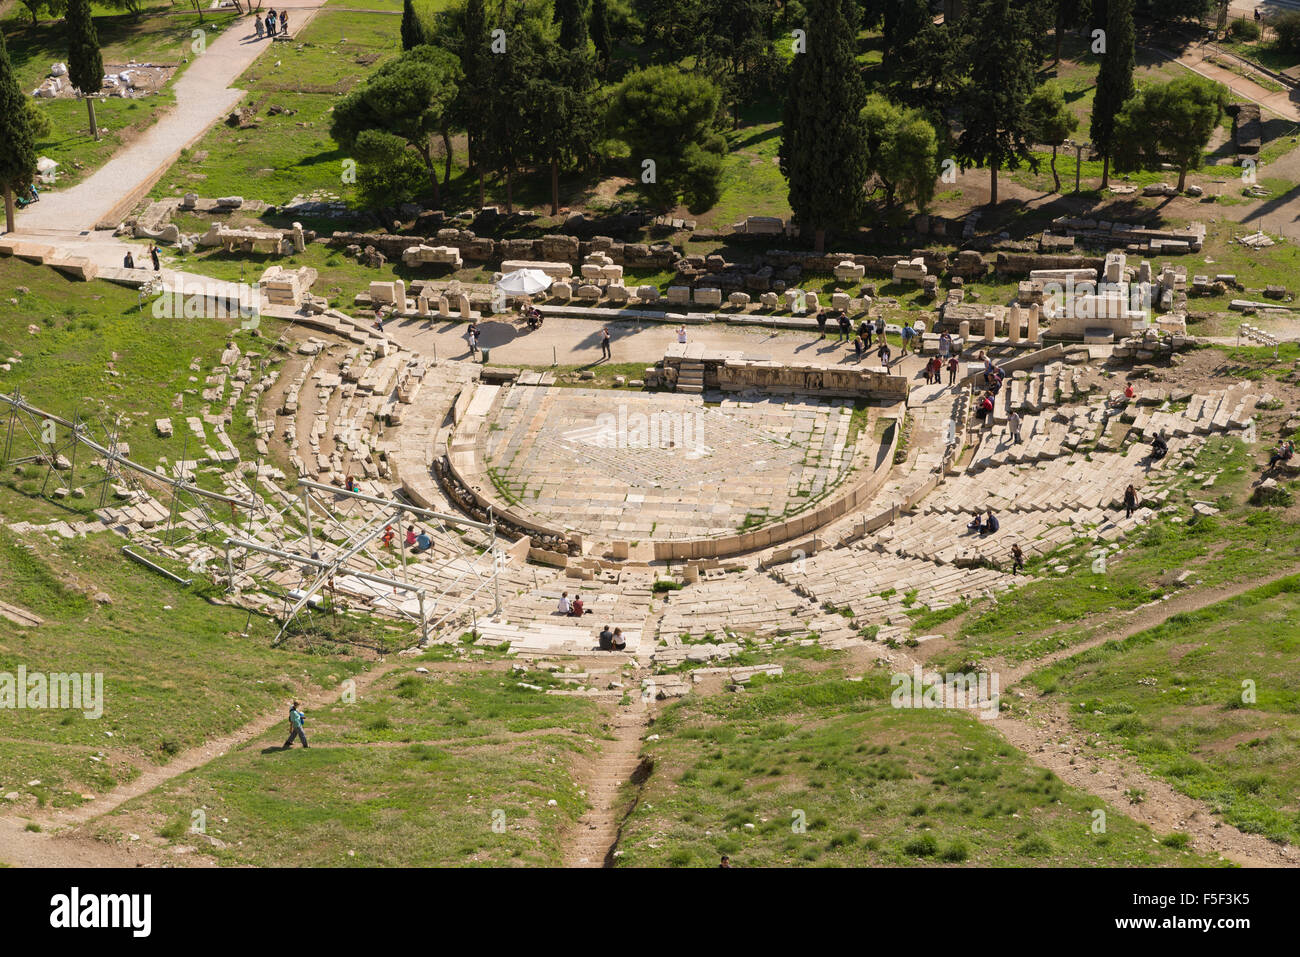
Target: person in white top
column 563, row 607
column 681, row 334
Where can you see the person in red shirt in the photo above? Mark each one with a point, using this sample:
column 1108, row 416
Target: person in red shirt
column 410, row 535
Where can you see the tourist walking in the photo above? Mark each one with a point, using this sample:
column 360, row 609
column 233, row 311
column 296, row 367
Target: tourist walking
column 952, row 370
column 296, row 719
column 821, row 323
column 1017, row 560
column 908, row 334
column 604, row 343
column 859, row 347
column 157, row 262
column 258, row 26
column 1014, row 421
column 883, row 352
column 284, row 22
column 945, row 346
column 1130, row 501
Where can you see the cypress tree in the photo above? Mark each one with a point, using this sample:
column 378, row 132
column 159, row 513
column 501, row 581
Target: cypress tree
column 600, row 37
column 475, row 87
column 572, row 18
column 823, row 144
column 85, row 65
column 1114, row 82
column 17, row 148
column 413, row 34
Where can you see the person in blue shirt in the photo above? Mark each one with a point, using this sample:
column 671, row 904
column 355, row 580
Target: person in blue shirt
column 295, row 727
column 423, row 542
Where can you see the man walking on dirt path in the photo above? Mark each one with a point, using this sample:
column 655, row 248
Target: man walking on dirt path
column 604, row 343
column 295, row 727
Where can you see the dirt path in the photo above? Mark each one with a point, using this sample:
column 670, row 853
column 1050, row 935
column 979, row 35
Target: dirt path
column 1128, row 624
column 1051, row 741
column 592, row 842
column 20, row 846
column 204, row 94
column 1048, row 737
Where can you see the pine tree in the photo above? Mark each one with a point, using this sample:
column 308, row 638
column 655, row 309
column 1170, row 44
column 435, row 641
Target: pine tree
column 996, row 126
column 413, row 33
column 17, row 150
column 85, row 65
column 1114, row 82
column 823, row 143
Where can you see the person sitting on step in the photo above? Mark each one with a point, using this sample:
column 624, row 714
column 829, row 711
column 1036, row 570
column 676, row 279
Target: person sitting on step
column 619, row 641
column 606, row 639
column 575, row 606
column 1281, row 454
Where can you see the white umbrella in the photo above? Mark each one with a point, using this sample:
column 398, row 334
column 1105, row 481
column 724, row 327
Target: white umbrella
column 524, row 282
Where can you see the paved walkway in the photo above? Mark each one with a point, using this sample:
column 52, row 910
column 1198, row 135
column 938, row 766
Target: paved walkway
column 571, row 342
column 203, row 96
column 1282, row 103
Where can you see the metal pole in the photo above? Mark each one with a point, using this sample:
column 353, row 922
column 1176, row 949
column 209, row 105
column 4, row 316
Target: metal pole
column 394, row 503
column 424, row 619
column 306, row 509
column 496, row 573
column 230, row 569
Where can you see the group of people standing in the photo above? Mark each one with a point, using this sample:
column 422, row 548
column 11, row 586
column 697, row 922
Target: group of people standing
column 274, row 23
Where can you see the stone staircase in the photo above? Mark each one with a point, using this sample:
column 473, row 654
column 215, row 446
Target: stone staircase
column 690, row 376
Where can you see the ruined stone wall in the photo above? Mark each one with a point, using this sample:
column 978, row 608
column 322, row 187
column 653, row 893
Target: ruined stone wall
column 480, row 249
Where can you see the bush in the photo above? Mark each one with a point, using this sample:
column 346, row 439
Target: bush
column 1244, row 29
column 923, row 846
column 1287, row 28
column 955, row 853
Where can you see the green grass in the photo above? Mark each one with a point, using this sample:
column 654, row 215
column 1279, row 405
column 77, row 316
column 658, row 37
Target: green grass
column 1240, row 543
column 814, row 769
column 289, row 154
column 409, row 776
column 154, row 37
column 65, row 367
column 175, row 669
column 1173, row 697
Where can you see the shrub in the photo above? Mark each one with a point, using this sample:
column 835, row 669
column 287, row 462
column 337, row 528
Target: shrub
column 955, row 852
column 1287, row 28
column 923, row 845
column 1244, row 29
